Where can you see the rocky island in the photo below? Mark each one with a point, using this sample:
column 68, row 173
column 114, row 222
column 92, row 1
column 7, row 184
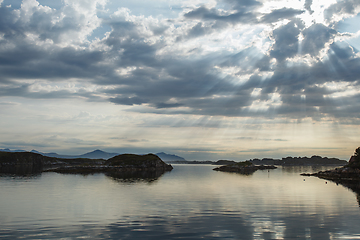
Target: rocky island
column 246, row 167
column 120, row 165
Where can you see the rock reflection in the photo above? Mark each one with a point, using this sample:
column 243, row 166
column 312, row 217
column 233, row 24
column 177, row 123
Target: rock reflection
column 297, row 169
column 21, row 170
column 353, row 185
column 138, row 176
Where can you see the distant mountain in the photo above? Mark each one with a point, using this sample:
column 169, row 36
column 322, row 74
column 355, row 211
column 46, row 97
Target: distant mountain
column 55, row 155
column 169, row 157
column 97, row 154
column 8, row 150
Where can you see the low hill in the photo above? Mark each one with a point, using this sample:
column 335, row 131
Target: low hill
column 137, row 161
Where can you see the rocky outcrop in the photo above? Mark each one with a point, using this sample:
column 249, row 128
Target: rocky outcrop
column 133, row 161
column 344, row 173
column 243, row 168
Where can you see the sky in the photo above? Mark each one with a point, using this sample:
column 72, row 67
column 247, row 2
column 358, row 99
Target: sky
column 205, row 80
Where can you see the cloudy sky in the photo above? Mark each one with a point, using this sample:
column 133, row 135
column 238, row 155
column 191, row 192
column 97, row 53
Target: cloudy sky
column 206, row 80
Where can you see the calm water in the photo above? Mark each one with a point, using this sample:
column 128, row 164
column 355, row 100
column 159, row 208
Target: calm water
column 191, row 202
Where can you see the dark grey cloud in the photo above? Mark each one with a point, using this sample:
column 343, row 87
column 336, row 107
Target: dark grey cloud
column 22, row 58
column 248, row 59
column 168, row 105
column 185, row 81
column 287, row 43
column 279, row 14
column 315, row 38
column 286, row 40
column 337, row 68
column 241, row 4
column 307, row 6
column 128, row 100
column 199, row 30
column 242, row 15
column 341, row 7
column 25, row 91
column 41, row 23
column 29, row 62
column 344, row 52
column 205, row 14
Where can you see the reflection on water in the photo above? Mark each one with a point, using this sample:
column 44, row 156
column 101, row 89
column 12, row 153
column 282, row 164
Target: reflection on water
column 352, row 185
column 23, row 170
column 140, row 176
column 190, row 202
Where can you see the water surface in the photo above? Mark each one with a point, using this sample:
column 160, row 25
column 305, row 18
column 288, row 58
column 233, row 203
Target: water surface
column 190, row 202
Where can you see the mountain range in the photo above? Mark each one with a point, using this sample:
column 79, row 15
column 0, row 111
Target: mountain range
column 99, row 154
column 169, row 157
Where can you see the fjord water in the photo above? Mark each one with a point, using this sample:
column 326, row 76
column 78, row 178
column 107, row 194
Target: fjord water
column 190, row 202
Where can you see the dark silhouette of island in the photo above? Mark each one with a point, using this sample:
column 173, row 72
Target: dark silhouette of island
column 250, row 166
column 224, row 162
column 245, row 168
column 288, row 161
column 29, row 162
column 300, row 161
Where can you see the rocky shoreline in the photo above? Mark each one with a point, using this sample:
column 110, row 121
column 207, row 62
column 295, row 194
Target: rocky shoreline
column 344, row 173
column 348, row 175
column 349, row 172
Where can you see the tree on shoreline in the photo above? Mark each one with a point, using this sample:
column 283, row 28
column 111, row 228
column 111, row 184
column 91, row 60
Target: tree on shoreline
column 355, row 159
column 357, row 153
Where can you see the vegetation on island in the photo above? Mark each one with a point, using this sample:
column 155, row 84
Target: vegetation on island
column 354, row 161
